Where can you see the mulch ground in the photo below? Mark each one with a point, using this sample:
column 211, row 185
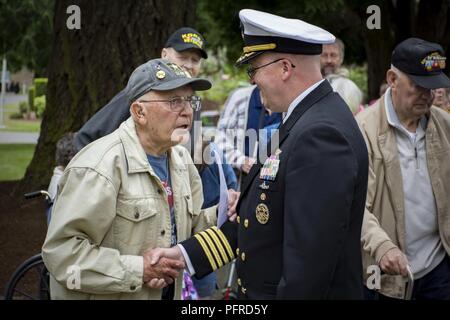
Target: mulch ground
column 22, row 230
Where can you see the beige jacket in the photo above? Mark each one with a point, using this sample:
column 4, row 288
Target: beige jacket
column 384, row 218
column 110, row 208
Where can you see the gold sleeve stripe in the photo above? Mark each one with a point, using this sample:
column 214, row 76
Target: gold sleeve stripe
column 260, row 47
column 207, row 252
column 224, row 241
column 218, row 245
column 213, row 248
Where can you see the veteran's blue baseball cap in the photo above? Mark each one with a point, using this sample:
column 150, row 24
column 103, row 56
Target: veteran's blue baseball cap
column 422, row 61
column 185, row 39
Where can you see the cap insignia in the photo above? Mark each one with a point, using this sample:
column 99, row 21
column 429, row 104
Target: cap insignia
column 178, row 70
column 433, row 61
column 192, row 38
column 160, row 74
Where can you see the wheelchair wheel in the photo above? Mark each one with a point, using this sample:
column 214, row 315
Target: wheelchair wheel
column 30, row 281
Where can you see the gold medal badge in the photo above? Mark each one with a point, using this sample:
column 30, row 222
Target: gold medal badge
column 160, row 74
column 262, row 213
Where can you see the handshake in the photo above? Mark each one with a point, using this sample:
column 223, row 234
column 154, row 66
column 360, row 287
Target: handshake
column 163, row 265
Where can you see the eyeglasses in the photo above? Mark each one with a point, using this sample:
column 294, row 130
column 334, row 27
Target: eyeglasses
column 177, row 104
column 251, row 71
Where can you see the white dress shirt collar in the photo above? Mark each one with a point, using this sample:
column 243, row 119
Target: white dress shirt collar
column 300, row 98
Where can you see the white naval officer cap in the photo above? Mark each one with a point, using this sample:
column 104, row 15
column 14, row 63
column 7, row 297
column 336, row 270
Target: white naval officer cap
column 263, row 32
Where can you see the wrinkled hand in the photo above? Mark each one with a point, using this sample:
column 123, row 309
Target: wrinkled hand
column 394, row 262
column 160, row 273
column 233, row 197
column 247, row 165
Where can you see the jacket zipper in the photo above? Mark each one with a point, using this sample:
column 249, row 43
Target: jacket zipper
column 417, row 160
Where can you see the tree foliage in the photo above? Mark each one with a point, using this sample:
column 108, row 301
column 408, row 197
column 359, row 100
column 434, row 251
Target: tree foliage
column 26, row 33
column 219, row 19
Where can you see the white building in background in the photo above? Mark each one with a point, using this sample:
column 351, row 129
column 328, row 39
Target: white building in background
column 24, row 77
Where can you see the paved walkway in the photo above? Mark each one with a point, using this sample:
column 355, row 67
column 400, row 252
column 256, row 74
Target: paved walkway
column 11, row 98
column 7, row 137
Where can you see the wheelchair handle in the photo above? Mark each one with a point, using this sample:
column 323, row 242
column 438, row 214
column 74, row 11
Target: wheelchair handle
column 35, row 194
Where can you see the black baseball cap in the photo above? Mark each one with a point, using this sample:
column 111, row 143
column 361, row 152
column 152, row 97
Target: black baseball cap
column 161, row 75
column 185, row 39
column 422, row 61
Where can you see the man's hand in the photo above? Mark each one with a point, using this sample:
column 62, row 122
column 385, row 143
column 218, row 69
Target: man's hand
column 160, row 274
column 247, row 165
column 173, row 254
column 394, row 262
column 233, row 197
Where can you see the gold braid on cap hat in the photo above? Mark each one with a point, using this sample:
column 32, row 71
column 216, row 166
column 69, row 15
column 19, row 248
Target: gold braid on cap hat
column 260, row 47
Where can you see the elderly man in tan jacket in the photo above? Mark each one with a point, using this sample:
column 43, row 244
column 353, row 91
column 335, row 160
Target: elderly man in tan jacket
column 407, row 217
column 128, row 192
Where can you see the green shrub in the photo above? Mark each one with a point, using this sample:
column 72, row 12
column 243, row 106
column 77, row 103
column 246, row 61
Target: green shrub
column 31, row 95
column 39, row 103
column 358, row 74
column 224, row 75
column 23, row 107
column 41, row 86
column 16, row 115
column 223, row 85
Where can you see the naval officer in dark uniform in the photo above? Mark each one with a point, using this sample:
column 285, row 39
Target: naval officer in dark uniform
column 297, row 234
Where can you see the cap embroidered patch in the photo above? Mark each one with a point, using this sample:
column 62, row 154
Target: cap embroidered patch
column 178, row 70
column 192, row 38
column 433, row 62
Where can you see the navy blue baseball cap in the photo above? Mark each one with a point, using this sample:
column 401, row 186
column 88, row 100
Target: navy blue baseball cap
column 185, row 39
column 422, row 61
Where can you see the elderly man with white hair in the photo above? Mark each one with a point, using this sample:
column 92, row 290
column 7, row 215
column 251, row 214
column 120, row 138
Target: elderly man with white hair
column 407, row 217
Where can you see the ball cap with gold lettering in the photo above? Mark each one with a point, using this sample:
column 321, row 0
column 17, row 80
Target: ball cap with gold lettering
column 264, row 32
column 422, row 61
column 185, row 39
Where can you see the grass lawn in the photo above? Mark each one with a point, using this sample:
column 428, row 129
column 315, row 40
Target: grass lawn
column 18, row 125
column 14, row 160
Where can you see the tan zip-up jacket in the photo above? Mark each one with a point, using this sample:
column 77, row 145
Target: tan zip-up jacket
column 384, row 217
column 111, row 207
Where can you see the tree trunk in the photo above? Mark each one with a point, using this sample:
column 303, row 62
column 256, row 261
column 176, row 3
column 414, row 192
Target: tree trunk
column 378, row 44
column 89, row 66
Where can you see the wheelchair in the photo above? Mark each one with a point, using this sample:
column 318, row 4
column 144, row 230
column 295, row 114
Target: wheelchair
column 30, row 281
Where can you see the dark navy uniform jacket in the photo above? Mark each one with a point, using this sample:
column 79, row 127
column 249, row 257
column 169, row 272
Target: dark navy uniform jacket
column 298, row 236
